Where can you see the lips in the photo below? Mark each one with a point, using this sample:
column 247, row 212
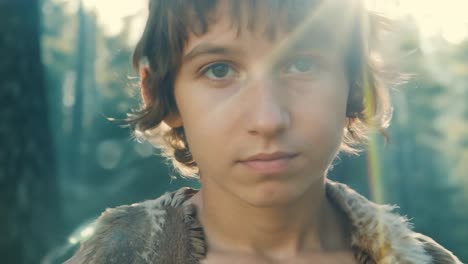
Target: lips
column 265, row 163
column 269, row 157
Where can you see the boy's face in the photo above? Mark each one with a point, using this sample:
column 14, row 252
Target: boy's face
column 242, row 94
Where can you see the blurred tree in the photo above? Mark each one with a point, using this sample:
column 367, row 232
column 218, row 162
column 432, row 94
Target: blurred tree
column 422, row 168
column 74, row 145
column 418, row 170
column 28, row 191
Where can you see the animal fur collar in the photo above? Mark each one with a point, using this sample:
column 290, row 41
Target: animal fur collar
column 167, row 231
column 382, row 236
column 385, row 236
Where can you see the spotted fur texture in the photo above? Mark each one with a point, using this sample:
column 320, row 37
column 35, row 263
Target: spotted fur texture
column 163, row 231
column 166, row 231
column 382, row 236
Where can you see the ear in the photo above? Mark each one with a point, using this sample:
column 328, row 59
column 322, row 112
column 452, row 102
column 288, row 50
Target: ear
column 173, row 119
column 144, row 87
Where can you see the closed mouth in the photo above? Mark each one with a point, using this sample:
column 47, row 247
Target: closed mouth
column 270, row 157
column 269, row 164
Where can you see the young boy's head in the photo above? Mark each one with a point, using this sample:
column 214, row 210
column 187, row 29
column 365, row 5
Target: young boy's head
column 223, row 81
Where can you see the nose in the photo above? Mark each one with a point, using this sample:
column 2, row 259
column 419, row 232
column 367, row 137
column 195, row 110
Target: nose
column 267, row 110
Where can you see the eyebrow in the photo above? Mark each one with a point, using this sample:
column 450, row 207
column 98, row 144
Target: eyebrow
column 209, row 49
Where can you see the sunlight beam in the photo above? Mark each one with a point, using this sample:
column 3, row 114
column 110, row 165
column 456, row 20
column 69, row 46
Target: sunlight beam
column 445, row 18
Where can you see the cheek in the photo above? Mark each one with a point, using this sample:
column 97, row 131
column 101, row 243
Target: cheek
column 205, row 129
column 321, row 114
column 326, row 97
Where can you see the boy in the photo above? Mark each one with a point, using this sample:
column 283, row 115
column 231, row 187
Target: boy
column 256, row 98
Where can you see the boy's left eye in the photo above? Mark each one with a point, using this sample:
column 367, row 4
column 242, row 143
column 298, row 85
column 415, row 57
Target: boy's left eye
column 302, row 65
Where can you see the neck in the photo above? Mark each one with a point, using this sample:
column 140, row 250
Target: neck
column 307, row 224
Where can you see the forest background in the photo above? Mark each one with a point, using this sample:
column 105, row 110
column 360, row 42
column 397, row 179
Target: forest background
column 62, row 162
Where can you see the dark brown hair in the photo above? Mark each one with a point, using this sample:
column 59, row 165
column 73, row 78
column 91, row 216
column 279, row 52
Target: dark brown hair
column 160, row 50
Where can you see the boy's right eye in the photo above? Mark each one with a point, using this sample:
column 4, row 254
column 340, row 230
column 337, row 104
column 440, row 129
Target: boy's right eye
column 218, row 71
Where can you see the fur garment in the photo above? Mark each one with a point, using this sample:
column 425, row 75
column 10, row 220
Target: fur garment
column 166, row 231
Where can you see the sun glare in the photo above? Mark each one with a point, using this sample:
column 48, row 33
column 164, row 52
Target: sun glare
column 447, row 18
column 111, row 13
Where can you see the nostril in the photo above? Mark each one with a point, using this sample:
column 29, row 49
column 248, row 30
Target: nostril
column 269, row 122
column 267, row 108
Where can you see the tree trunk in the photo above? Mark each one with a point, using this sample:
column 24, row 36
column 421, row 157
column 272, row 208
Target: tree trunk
column 75, row 145
column 29, row 215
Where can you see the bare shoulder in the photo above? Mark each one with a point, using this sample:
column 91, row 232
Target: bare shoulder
column 135, row 233
column 439, row 254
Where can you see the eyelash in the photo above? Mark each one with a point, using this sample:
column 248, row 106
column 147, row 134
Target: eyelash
column 285, row 65
column 203, row 71
column 312, row 61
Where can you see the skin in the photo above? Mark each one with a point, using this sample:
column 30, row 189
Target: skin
column 243, row 94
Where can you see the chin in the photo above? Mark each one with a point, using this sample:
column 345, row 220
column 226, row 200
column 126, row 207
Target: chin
column 272, row 195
